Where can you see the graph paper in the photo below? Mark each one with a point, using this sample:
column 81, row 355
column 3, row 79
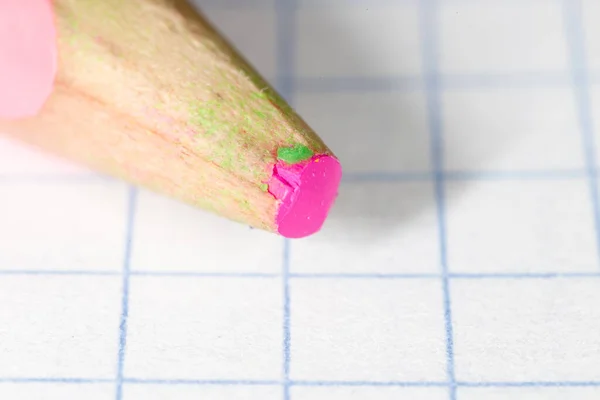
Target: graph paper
column 461, row 260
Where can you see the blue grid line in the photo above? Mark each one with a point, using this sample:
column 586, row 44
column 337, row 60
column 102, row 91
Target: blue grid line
column 57, row 272
column 342, row 275
column 363, row 276
column 515, row 80
column 370, row 383
column 192, row 274
column 533, row 275
column 359, row 177
column 56, row 380
column 514, row 175
column 409, row 83
column 576, row 44
column 428, row 36
column 450, row 275
column 287, row 357
column 132, row 201
column 531, row 384
column 357, row 84
column 241, row 382
column 550, row 174
column 285, row 11
column 202, row 382
column 445, row 384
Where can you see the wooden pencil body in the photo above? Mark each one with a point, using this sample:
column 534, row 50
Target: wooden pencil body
column 148, row 91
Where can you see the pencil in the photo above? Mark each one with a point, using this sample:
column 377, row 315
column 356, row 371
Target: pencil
column 149, row 91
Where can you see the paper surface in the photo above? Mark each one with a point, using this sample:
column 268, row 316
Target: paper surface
column 460, row 261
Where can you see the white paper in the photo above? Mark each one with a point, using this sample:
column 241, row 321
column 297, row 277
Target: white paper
column 461, row 260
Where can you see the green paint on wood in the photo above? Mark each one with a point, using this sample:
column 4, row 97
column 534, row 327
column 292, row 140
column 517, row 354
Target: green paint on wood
column 259, row 95
column 205, row 116
column 264, row 187
column 245, row 204
column 239, row 124
column 295, row 154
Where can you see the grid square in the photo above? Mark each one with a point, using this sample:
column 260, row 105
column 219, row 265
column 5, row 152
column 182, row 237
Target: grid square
column 204, row 328
column 236, row 23
column 508, row 330
column 530, row 393
column 57, row 391
column 499, row 37
column 367, row 329
column 374, row 228
column 204, row 392
column 61, row 226
column 511, row 130
column 17, row 159
column 175, row 237
column 368, row 393
column 520, row 227
column 371, row 131
column 59, row 326
column 591, row 15
column 338, row 41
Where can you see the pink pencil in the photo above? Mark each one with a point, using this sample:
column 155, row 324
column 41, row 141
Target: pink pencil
column 148, row 91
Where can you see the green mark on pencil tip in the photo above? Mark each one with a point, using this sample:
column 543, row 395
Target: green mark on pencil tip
column 294, row 154
column 264, row 187
column 259, row 95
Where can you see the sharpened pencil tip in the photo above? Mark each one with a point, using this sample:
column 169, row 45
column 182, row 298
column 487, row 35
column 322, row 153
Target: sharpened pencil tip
column 307, row 191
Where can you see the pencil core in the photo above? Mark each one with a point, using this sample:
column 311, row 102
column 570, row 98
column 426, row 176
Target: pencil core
column 27, row 56
column 307, row 191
